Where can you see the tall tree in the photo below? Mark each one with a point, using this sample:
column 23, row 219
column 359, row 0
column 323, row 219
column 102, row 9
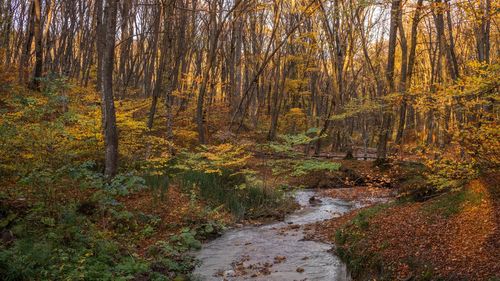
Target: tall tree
column 482, row 31
column 110, row 130
column 37, row 72
column 389, row 75
column 26, row 52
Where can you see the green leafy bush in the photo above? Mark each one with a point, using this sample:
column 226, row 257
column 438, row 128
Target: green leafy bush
column 287, row 144
column 122, row 184
column 64, row 247
column 447, row 174
column 304, row 167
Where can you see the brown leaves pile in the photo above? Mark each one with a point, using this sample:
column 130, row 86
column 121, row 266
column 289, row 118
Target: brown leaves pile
column 411, row 240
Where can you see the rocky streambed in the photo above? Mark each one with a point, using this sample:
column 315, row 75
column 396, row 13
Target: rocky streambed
column 277, row 251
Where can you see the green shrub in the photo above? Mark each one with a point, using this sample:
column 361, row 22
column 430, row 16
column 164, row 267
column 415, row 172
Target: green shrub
column 304, row 167
column 64, row 247
column 287, row 144
column 64, row 244
column 87, row 176
column 447, row 174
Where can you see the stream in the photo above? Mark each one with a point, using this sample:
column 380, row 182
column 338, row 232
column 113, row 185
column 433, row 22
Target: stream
column 277, row 251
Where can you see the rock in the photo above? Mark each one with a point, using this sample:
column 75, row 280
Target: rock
column 7, row 237
column 279, row 259
column 265, row 271
column 313, row 200
column 228, row 273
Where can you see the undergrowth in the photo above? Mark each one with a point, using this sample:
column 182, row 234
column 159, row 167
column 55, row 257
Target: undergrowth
column 60, row 218
column 69, row 245
column 237, row 193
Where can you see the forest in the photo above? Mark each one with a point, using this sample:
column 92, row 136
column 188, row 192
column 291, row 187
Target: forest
column 330, row 140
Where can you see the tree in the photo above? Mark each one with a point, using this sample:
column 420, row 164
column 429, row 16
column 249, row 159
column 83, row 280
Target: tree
column 110, row 130
column 358, row 71
column 37, row 72
column 389, row 74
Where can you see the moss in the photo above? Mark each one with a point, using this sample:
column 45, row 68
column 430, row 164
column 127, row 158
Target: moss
column 450, row 204
column 352, row 248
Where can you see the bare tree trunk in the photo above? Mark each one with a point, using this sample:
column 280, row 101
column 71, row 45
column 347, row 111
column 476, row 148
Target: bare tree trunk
column 402, row 81
column 443, row 45
column 482, row 32
column 410, row 124
column 387, row 116
column 451, row 48
column 46, row 35
column 451, row 62
column 24, row 63
column 172, row 75
column 150, row 66
column 211, row 54
column 7, row 32
column 100, row 46
column 276, row 100
column 235, row 64
column 159, row 79
column 37, row 72
column 110, row 130
column 124, row 49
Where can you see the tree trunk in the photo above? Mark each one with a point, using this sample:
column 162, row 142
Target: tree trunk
column 100, row 46
column 124, row 49
column 235, row 65
column 110, row 130
column 276, row 100
column 483, row 32
column 24, row 63
column 211, row 54
column 402, row 81
column 387, row 116
column 37, row 72
column 7, row 32
column 410, row 124
column 160, row 71
column 150, row 66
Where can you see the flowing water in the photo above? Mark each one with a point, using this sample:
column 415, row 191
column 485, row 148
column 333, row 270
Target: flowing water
column 276, row 251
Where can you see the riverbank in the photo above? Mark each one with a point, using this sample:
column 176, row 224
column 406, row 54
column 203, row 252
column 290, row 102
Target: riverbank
column 278, row 250
column 454, row 236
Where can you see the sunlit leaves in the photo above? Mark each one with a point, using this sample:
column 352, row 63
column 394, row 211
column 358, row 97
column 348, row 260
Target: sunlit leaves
column 214, row 158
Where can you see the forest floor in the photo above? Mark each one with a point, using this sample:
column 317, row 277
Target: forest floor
column 454, row 236
column 60, row 218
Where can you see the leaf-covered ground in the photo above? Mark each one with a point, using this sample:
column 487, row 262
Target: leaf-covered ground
column 455, row 236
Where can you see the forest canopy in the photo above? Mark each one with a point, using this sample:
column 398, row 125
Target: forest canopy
column 363, row 73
